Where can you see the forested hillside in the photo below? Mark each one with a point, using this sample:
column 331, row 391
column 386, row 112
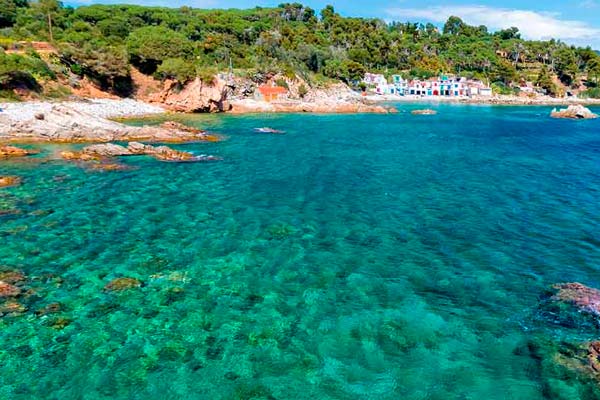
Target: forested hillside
column 103, row 42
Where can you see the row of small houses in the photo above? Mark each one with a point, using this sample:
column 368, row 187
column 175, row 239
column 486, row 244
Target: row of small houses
column 447, row 86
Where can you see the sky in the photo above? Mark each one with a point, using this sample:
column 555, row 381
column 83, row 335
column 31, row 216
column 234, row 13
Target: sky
column 573, row 21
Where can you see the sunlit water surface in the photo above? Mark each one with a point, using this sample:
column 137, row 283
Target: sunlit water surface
column 355, row 257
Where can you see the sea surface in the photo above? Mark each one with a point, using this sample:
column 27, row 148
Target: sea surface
column 354, row 257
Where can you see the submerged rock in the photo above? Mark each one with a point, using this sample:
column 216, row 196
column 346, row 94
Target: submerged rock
column 59, row 322
column 585, row 298
column 181, row 127
column 12, row 307
column 51, row 308
column 8, row 290
column 6, row 181
column 424, row 112
column 120, row 284
column 583, row 359
column 12, row 277
column 107, row 166
column 573, row 112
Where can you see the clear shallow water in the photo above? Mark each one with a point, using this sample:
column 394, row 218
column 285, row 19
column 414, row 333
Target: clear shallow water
column 356, row 257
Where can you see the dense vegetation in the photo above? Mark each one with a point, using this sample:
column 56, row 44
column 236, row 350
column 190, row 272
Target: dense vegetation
column 103, row 42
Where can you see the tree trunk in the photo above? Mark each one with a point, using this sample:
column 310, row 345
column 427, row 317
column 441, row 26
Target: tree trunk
column 50, row 27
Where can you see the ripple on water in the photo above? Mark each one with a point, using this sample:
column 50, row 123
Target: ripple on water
column 357, row 256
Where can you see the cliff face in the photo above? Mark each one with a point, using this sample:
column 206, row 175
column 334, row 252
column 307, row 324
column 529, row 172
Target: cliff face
column 195, row 96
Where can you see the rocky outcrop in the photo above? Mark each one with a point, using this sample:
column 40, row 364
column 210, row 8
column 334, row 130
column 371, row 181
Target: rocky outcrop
column 165, row 153
column 78, row 156
column 12, row 151
column 424, row 112
column 573, row 112
column 70, row 122
column 7, row 181
column 194, row 97
column 105, row 151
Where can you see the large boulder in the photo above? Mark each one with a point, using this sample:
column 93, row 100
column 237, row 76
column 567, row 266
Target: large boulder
column 573, row 112
column 195, row 96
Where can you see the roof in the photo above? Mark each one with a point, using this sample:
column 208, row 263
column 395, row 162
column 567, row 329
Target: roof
column 270, row 90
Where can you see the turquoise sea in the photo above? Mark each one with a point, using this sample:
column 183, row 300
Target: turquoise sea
column 355, row 257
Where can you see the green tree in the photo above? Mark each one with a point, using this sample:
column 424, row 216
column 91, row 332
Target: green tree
column 453, row 26
column 150, row 45
column 49, row 8
column 8, row 11
column 544, row 81
column 593, row 70
column 108, row 66
column 178, row 69
column 565, row 65
column 508, row 34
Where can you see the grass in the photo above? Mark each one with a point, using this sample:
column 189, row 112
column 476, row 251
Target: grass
column 8, row 96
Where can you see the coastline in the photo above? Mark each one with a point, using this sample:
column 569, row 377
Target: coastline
column 93, row 120
column 86, row 121
column 485, row 100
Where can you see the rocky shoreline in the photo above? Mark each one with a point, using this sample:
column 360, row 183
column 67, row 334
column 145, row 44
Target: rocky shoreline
column 91, row 120
column 88, row 121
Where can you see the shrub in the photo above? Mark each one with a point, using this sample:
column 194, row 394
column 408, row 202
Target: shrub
column 18, row 70
column 502, row 88
column 8, row 96
column 207, row 75
column 108, row 66
column 176, row 68
column 593, row 93
column 282, row 83
column 302, row 91
column 150, row 45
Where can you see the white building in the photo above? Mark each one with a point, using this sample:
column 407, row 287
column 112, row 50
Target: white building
column 374, row 79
